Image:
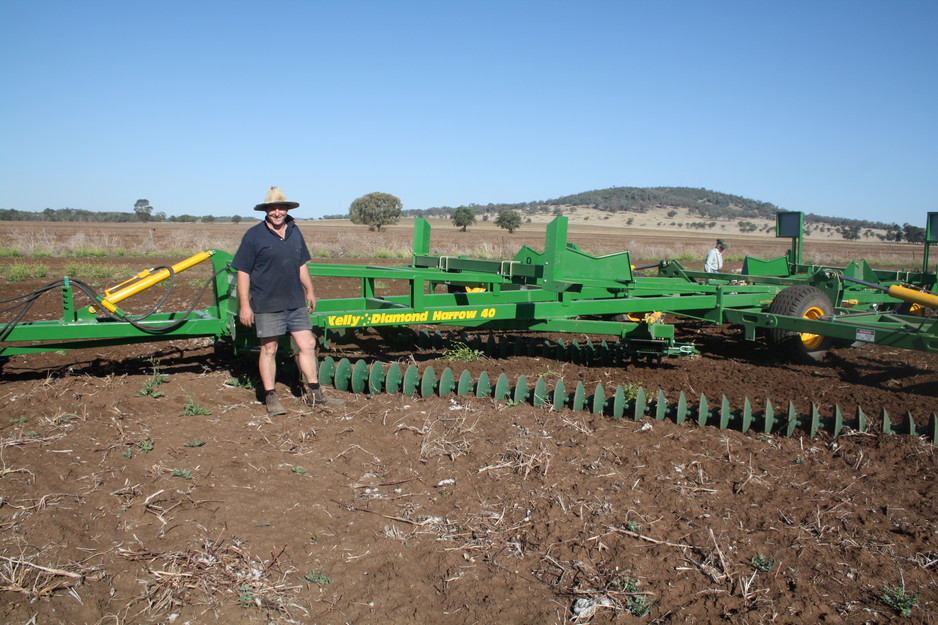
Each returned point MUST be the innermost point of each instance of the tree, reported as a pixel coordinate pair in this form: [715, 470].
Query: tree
[914, 234]
[236, 219]
[508, 219]
[375, 210]
[463, 217]
[143, 210]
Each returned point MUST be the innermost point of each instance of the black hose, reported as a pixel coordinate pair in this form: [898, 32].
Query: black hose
[87, 289]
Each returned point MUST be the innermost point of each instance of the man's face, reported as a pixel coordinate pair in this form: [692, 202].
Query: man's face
[276, 216]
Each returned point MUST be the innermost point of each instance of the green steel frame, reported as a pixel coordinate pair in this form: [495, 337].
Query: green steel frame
[561, 289]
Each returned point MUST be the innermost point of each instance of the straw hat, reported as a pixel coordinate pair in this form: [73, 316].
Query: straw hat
[275, 197]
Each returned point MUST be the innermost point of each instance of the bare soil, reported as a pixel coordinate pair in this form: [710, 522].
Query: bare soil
[118, 506]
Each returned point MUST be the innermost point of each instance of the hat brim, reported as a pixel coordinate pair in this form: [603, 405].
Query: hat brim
[269, 205]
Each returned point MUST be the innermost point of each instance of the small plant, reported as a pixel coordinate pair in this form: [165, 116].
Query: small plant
[316, 577]
[246, 598]
[625, 584]
[299, 470]
[127, 453]
[460, 352]
[193, 409]
[630, 392]
[243, 381]
[638, 606]
[151, 383]
[634, 526]
[19, 420]
[899, 600]
[762, 563]
[196, 443]
[146, 445]
[799, 460]
[185, 474]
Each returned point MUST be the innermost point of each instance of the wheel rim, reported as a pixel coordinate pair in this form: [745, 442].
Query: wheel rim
[812, 341]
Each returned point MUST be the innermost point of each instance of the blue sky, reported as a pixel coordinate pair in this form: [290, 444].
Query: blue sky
[199, 106]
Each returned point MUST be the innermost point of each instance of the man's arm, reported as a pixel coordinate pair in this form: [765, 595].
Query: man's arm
[245, 312]
[307, 283]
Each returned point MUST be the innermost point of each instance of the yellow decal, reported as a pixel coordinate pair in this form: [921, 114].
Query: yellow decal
[349, 320]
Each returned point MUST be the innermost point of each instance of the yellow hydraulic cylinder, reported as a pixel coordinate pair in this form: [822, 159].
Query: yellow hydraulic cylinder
[145, 279]
[913, 296]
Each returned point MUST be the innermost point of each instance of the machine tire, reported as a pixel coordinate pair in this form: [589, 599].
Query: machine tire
[800, 301]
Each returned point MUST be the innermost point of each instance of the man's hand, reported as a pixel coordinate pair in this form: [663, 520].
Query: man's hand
[246, 316]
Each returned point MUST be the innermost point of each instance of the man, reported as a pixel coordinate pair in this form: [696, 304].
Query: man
[275, 295]
[714, 262]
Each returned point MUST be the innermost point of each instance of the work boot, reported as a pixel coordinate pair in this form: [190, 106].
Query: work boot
[319, 398]
[274, 407]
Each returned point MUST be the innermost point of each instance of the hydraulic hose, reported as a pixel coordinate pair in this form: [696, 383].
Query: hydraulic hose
[30, 298]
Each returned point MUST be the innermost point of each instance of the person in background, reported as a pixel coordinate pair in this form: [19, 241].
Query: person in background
[714, 262]
[275, 295]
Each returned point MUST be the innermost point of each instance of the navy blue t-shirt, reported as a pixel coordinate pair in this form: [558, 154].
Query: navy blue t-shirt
[273, 264]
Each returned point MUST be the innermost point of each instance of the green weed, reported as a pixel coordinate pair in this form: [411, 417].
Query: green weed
[316, 577]
[9, 252]
[299, 470]
[762, 563]
[634, 526]
[19, 420]
[185, 474]
[193, 409]
[243, 381]
[127, 453]
[96, 271]
[636, 605]
[23, 271]
[639, 605]
[196, 443]
[146, 445]
[630, 391]
[625, 584]
[460, 352]
[156, 378]
[898, 599]
[246, 598]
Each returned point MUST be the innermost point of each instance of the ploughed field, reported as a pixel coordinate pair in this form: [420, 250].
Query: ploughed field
[145, 483]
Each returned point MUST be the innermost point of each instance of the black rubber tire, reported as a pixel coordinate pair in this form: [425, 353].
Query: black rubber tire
[800, 301]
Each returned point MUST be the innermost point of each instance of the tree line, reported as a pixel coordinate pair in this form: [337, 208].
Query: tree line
[81, 215]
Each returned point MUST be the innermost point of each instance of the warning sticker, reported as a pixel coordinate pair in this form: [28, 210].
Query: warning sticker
[868, 336]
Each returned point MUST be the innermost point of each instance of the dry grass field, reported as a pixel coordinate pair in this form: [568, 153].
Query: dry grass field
[145, 484]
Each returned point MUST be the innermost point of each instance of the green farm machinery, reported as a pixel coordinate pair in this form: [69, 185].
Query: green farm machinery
[801, 310]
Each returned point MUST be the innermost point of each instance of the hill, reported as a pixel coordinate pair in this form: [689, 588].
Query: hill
[678, 208]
